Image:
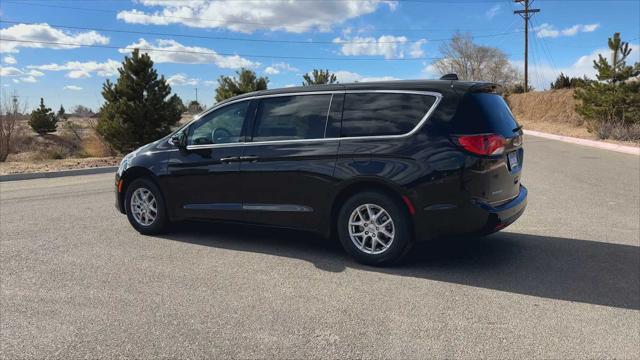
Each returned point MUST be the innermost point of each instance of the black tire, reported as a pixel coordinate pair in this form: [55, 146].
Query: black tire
[159, 224]
[403, 236]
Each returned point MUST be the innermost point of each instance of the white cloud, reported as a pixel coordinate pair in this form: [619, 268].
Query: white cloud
[388, 46]
[416, 51]
[28, 76]
[10, 71]
[171, 51]
[277, 68]
[430, 71]
[493, 11]
[548, 30]
[249, 15]
[72, 88]
[29, 79]
[79, 70]
[349, 77]
[36, 34]
[10, 60]
[181, 80]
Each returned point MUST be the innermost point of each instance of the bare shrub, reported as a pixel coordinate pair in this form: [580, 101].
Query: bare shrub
[94, 146]
[11, 110]
[616, 130]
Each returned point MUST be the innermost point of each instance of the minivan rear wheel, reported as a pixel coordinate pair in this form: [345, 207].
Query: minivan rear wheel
[145, 207]
[374, 228]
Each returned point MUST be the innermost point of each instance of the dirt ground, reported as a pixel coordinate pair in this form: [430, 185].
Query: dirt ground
[17, 167]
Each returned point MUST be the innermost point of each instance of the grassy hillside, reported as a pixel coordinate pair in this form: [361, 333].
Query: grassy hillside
[549, 111]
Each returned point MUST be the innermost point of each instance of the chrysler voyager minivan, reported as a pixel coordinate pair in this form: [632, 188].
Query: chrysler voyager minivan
[379, 165]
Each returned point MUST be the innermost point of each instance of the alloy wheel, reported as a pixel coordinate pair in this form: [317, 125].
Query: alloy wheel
[371, 229]
[144, 206]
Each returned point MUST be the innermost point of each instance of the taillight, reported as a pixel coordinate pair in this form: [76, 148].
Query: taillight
[486, 144]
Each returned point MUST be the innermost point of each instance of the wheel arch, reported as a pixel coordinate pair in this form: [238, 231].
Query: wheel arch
[368, 184]
[131, 174]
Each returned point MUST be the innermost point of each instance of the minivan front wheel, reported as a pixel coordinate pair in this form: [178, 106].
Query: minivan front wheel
[145, 207]
[374, 228]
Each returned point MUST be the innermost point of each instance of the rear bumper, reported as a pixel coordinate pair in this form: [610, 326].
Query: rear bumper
[474, 217]
[499, 217]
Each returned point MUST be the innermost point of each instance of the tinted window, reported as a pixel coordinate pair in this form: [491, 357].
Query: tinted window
[292, 117]
[370, 114]
[484, 113]
[221, 126]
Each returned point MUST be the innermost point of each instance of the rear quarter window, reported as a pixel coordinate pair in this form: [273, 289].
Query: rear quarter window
[375, 114]
[481, 113]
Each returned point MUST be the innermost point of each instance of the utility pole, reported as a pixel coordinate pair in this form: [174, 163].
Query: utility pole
[526, 14]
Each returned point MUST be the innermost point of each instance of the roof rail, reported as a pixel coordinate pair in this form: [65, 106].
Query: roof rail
[449, 77]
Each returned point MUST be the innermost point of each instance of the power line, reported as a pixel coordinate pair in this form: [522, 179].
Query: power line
[216, 53]
[247, 39]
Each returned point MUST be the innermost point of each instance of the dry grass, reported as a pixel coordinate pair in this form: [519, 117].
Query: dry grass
[552, 112]
[94, 146]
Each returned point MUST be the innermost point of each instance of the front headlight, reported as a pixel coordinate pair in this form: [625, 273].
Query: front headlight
[124, 163]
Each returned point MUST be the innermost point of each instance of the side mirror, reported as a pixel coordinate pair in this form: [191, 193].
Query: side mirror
[179, 139]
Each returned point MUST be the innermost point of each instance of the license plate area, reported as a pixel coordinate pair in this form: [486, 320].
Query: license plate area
[513, 160]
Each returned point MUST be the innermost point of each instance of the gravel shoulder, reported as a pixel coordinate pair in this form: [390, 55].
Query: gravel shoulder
[20, 167]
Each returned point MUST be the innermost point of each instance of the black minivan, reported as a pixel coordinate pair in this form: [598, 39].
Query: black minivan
[381, 165]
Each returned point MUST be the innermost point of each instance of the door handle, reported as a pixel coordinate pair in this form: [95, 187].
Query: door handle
[227, 160]
[250, 158]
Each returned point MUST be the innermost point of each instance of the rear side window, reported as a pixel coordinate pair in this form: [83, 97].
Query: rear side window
[484, 113]
[373, 114]
[292, 118]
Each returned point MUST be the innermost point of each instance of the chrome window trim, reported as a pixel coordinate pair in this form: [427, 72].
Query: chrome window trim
[422, 121]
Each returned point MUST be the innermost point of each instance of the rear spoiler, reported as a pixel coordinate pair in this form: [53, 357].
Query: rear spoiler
[486, 87]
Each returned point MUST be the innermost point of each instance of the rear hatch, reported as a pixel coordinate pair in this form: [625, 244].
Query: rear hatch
[487, 130]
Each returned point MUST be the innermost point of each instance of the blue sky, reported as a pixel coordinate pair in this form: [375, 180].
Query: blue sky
[359, 40]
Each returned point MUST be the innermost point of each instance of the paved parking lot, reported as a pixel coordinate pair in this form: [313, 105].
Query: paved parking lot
[563, 282]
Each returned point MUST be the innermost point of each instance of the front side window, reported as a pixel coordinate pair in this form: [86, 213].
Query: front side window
[221, 126]
[374, 114]
[292, 117]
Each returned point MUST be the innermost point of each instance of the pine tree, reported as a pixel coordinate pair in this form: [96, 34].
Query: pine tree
[139, 107]
[617, 70]
[319, 77]
[614, 101]
[43, 120]
[245, 82]
[62, 115]
[562, 82]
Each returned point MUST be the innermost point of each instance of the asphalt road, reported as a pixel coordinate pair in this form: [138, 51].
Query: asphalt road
[563, 282]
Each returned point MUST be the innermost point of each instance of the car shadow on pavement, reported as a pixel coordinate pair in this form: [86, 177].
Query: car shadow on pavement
[557, 268]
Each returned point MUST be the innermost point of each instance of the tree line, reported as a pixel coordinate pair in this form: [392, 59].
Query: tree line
[140, 107]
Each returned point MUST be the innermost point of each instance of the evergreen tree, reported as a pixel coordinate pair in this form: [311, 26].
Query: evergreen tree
[617, 70]
[62, 115]
[139, 107]
[245, 82]
[562, 82]
[43, 120]
[615, 99]
[319, 77]
[194, 107]
[565, 82]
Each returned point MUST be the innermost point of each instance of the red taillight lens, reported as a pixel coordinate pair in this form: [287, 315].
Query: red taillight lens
[487, 144]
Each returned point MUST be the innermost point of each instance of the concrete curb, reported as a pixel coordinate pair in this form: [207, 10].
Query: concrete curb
[591, 143]
[55, 174]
